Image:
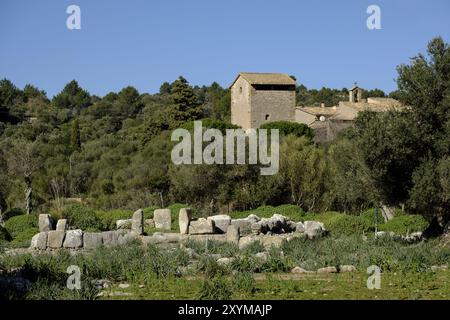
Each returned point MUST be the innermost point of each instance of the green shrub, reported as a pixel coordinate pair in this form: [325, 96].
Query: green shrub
[81, 217]
[21, 223]
[109, 218]
[12, 213]
[405, 223]
[286, 127]
[23, 239]
[4, 234]
[217, 288]
[341, 223]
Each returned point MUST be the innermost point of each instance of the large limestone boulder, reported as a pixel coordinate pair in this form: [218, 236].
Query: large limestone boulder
[299, 227]
[244, 225]
[39, 241]
[149, 223]
[74, 239]
[314, 229]
[92, 240]
[45, 223]
[55, 239]
[162, 219]
[269, 241]
[233, 234]
[201, 226]
[127, 238]
[110, 238]
[247, 240]
[221, 222]
[123, 224]
[184, 218]
[137, 222]
[61, 225]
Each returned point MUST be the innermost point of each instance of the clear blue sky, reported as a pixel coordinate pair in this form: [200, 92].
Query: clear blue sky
[144, 43]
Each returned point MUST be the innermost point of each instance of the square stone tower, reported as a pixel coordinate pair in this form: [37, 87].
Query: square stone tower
[257, 98]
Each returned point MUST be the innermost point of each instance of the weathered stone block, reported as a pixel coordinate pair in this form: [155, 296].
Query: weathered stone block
[233, 234]
[184, 218]
[244, 225]
[123, 224]
[61, 225]
[314, 229]
[45, 223]
[149, 223]
[74, 239]
[201, 226]
[221, 222]
[110, 238]
[137, 222]
[92, 240]
[162, 219]
[39, 241]
[55, 239]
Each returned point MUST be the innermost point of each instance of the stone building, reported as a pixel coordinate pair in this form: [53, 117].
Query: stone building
[257, 98]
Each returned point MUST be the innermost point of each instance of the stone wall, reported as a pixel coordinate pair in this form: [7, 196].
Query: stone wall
[221, 228]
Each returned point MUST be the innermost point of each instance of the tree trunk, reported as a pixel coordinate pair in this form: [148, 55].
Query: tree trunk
[28, 195]
[387, 212]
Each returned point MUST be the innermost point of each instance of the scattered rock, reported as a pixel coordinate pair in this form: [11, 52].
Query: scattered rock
[55, 239]
[101, 284]
[225, 261]
[123, 285]
[314, 229]
[162, 219]
[262, 256]
[221, 222]
[299, 227]
[123, 224]
[137, 222]
[247, 240]
[45, 223]
[347, 268]
[74, 239]
[61, 225]
[39, 241]
[201, 226]
[327, 270]
[299, 270]
[438, 268]
[92, 240]
[184, 218]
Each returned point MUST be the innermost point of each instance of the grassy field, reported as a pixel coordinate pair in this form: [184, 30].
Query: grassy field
[302, 287]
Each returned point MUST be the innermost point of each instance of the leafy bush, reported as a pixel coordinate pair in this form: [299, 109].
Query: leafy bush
[109, 218]
[341, 223]
[4, 234]
[81, 217]
[405, 223]
[12, 213]
[217, 288]
[23, 238]
[21, 223]
[286, 128]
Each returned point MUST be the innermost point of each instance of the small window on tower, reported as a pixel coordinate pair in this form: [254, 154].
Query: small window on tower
[267, 117]
[240, 89]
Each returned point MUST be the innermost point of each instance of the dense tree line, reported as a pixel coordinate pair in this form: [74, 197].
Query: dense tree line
[114, 151]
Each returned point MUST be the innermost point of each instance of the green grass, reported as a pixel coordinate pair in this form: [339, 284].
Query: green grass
[295, 287]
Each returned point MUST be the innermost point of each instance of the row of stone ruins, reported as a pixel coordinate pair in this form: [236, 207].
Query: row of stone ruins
[221, 228]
